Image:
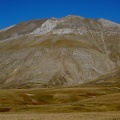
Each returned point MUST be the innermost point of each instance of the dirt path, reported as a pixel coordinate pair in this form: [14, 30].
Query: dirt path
[63, 116]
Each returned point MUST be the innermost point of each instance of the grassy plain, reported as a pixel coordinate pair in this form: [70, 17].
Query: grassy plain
[96, 100]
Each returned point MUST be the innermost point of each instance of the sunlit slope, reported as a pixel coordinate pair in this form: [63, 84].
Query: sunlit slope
[58, 52]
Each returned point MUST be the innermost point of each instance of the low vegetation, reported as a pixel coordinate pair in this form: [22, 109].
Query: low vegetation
[60, 100]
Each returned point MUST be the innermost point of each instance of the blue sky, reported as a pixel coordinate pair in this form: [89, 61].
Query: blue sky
[15, 11]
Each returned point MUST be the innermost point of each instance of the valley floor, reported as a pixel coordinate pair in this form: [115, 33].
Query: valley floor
[92, 101]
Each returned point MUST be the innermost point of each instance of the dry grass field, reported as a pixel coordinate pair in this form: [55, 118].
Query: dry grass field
[60, 103]
[63, 116]
[96, 100]
[60, 100]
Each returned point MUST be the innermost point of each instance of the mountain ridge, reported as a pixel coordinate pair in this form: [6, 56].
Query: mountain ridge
[58, 52]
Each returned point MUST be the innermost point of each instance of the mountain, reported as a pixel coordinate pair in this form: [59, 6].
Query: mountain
[58, 52]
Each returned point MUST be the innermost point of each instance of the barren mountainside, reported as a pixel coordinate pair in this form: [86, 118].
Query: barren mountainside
[58, 52]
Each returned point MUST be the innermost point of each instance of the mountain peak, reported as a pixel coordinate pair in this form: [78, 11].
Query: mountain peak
[66, 25]
[73, 16]
[58, 52]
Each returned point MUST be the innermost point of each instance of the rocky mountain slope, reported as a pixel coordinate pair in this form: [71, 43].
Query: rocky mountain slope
[58, 52]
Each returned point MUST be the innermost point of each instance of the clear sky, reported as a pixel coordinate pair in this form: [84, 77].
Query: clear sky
[15, 11]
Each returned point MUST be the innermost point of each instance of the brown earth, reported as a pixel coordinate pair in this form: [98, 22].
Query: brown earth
[63, 116]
